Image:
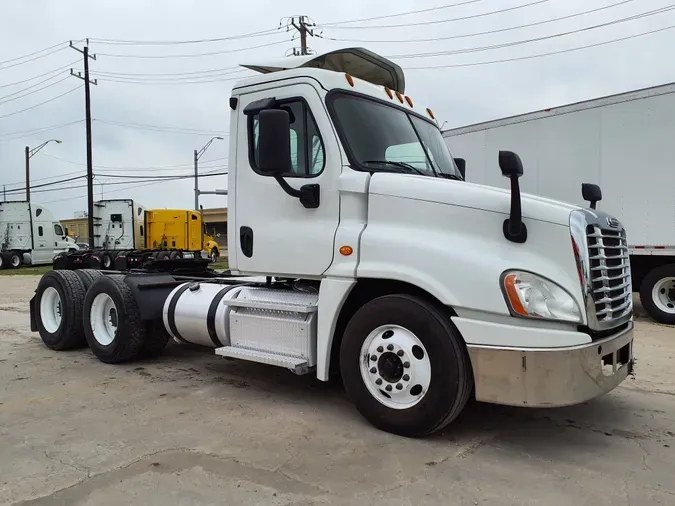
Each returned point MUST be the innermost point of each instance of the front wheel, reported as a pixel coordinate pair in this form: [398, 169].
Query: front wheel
[15, 260]
[405, 366]
[657, 294]
[214, 255]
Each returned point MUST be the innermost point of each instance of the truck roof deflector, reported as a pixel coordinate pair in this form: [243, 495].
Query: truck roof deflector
[356, 61]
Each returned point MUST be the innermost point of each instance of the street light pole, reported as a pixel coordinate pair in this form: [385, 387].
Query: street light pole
[197, 155]
[29, 154]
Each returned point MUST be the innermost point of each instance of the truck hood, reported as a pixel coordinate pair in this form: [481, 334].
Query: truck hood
[464, 194]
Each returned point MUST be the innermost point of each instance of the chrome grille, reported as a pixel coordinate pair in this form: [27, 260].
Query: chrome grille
[610, 278]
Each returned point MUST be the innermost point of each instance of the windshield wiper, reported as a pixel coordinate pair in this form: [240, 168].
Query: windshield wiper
[401, 165]
[449, 176]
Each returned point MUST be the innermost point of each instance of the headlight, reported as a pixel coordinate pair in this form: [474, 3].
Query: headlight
[532, 296]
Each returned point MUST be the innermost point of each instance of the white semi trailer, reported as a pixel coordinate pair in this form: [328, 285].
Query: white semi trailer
[421, 290]
[624, 143]
[29, 235]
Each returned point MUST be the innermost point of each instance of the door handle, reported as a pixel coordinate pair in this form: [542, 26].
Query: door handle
[246, 241]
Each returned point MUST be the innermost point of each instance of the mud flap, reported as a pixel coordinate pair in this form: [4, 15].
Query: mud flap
[33, 320]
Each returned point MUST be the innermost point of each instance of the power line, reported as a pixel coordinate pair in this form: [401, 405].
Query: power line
[30, 87]
[174, 81]
[157, 128]
[164, 74]
[39, 130]
[41, 103]
[183, 166]
[170, 80]
[197, 55]
[334, 23]
[422, 23]
[42, 179]
[536, 39]
[56, 50]
[52, 183]
[488, 32]
[179, 42]
[65, 67]
[31, 54]
[32, 92]
[541, 55]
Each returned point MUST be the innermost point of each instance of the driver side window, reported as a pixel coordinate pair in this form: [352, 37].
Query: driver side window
[307, 149]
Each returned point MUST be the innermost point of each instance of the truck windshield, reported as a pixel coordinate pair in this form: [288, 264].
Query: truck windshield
[380, 137]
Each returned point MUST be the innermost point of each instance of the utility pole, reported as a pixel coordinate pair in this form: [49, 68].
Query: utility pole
[29, 154]
[87, 111]
[301, 24]
[198, 154]
[27, 174]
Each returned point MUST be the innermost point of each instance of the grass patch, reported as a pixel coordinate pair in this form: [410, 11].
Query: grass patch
[26, 271]
[220, 265]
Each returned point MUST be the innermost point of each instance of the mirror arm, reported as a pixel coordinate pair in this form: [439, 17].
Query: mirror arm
[309, 194]
[514, 228]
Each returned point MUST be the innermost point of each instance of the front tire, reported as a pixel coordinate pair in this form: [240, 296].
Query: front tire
[59, 300]
[405, 366]
[112, 322]
[657, 294]
[214, 255]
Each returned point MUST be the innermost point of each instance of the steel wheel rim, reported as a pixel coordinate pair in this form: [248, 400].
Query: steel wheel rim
[663, 294]
[50, 310]
[103, 318]
[395, 367]
[16, 261]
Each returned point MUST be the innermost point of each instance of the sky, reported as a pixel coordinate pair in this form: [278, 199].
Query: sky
[154, 104]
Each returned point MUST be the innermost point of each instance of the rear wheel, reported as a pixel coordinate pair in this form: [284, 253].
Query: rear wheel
[214, 255]
[112, 323]
[3, 261]
[88, 276]
[657, 294]
[59, 301]
[175, 255]
[106, 261]
[405, 366]
[15, 260]
[162, 255]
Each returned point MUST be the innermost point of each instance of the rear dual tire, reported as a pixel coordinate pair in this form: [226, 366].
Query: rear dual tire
[113, 326]
[405, 366]
[58, 310]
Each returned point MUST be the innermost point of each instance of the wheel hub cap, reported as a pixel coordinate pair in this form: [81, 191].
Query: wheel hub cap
[50, 310]
[663, 295]
[103, 319]
[395, 367]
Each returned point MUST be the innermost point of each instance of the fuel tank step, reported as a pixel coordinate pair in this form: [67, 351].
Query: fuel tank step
[296, 365]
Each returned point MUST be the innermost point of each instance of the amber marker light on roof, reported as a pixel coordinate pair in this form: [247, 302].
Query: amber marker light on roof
[389, 93]
[430, 113]
[350, 80]
[409, 100]
[346, 250]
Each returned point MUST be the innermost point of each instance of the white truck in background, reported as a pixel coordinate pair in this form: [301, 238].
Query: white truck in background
[347, 256]
[624, 143]
[30, 235]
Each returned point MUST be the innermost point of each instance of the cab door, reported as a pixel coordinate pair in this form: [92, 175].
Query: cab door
[275, 233]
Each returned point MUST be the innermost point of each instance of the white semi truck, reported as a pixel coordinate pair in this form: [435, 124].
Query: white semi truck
[622, 142]
[420, 290]
[29, 235]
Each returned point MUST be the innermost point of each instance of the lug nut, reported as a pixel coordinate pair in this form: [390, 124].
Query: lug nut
[399, 387]
[380, 349]
[390, 347]
[378, 381]
[400, 353]
[388, 388]
[406, 377]
[406, 364]
[373, 358]
[373, 370]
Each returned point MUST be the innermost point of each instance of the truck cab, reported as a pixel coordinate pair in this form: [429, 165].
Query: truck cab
[357, 248]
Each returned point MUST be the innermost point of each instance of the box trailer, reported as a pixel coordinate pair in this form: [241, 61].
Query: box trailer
[625, 144]
[29, 235]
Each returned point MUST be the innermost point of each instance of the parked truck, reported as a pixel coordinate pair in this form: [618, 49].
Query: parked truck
[29, 235]
[127, 234]
[420, 290]
[622, 142]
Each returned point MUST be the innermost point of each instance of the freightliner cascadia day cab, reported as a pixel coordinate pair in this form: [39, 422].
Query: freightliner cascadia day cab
[621, 142]
[126, 230]
[29, 235]
[351, 255]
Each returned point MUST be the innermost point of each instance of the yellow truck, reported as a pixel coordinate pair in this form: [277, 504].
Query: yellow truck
[178, 229]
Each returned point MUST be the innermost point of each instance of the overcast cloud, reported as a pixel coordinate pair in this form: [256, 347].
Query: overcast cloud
[458, 95]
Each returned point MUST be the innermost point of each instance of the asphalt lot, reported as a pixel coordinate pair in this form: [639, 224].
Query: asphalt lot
[193, 428]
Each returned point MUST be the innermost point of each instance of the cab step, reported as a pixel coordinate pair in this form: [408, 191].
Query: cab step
[296, 365]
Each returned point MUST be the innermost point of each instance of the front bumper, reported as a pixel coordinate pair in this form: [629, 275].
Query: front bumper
[550, 377]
